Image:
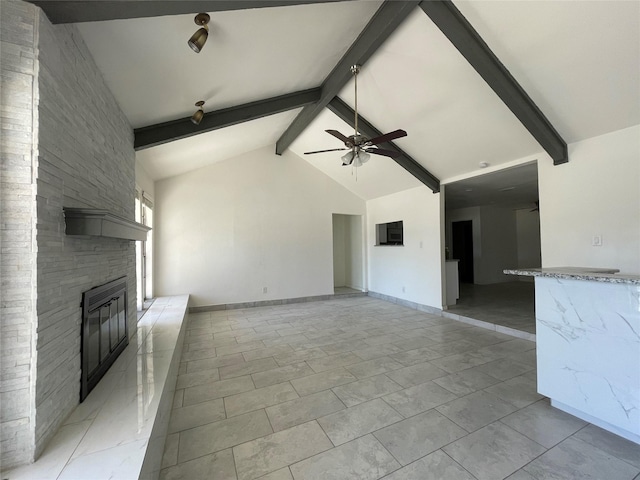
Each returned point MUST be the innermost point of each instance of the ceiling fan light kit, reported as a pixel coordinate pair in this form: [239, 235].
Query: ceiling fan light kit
[198, 39]
[196, 118]
[360, 147]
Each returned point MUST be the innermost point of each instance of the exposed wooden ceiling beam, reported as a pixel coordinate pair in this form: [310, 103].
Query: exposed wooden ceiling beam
[160, 133]
[63, 11]
[346, 113]
[388, 17]
[472, 47]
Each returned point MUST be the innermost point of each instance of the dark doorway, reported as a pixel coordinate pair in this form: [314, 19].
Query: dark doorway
[462, 240]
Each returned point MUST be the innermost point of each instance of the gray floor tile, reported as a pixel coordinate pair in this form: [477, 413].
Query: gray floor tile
[281, 374]
[369, 353]
[259, 398]
[611, 444]
[373, 367]
[196, 415]
[304, 409]
[197, 378]
[359, 420]
[362, 459]
[170, 455]
[418, 399]
[466, 381]
[476, 410]
[504, 369]
[266, 352]
[520, 475]
[214, 362]
[333, 361]
[211, 391]
[418, 436]
[366, 389]
[494, 451]
[282, 474]
[239, 348]
[383, 339]
[299, 356]
[519, 391]
[543, 423]
[461, 361]
[322, 381]
[453, 347]
[416, 374]
[247, 368]
[278, 450]
[217, 436]
[413, 357]
[344, 347]
[436, 466]
[575, 459]
[215, 465]
[290, 340]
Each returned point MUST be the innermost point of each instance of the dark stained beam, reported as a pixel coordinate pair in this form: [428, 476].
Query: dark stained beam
[472, 47]
[388, 17]
[160, 133]
[346, 113]
[63, 11]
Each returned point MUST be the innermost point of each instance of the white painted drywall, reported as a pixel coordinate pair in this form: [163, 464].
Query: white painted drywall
[355, 247]
[226, 231]
[348, 257]
[528, 234]
[417, 264]
[339, 251]
[596, 193]
[499, 244]
[144, 180]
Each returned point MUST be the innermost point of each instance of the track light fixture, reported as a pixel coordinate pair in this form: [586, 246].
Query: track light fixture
[197, 117]
[198, 39]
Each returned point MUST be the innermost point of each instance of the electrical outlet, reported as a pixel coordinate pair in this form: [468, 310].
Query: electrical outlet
[596, 241]
[265, 289]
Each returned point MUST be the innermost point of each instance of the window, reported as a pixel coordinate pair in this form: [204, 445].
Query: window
[144, 250]
[389, 233]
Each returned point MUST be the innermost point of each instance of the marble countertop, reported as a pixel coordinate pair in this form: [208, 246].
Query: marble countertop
[607, 275]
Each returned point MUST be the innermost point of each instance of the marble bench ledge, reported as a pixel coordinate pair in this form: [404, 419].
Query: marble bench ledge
[606, 275]
[119, 431]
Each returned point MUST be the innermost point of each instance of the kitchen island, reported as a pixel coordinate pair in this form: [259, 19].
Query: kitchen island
[588, 344]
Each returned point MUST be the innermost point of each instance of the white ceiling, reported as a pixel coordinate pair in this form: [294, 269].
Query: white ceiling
[578, 60]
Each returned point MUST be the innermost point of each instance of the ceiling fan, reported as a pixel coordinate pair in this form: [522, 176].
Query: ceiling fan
[359, 147]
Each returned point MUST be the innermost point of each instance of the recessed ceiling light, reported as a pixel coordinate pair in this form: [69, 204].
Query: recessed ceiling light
[506, 189]
[468, 189]
[483, 164]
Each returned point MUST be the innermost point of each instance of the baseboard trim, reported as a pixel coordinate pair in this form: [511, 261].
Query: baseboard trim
[270, 303]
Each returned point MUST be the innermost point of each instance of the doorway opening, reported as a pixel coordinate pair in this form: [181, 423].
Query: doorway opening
[492, 223]
[348, 254]
[462, 243]
[144, 253]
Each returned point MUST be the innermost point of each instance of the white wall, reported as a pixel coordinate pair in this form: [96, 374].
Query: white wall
[528, 234]
[144, 180]
[417, 264]
[596, 193]
[348, 258]
[339, 251]
[499, 244]
[258, 220]
[355, 248]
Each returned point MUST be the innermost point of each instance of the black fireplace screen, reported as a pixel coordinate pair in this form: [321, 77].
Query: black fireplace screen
[104, 331]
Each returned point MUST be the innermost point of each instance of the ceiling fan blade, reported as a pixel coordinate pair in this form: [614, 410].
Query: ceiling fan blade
[322, 151]
[387, 137]
[339, 136]
[382, 151]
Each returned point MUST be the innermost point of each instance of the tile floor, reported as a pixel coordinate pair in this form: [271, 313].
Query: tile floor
[359, 388]
[510, 304]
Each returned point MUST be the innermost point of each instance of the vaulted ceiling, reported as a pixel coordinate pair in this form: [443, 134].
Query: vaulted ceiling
[578, 61]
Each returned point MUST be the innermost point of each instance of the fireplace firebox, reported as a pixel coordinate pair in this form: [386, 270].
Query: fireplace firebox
[104, 331]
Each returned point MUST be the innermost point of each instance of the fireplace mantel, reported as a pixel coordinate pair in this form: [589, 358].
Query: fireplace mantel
[102, 223]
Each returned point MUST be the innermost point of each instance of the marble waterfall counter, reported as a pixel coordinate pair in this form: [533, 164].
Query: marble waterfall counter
[588, 344]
